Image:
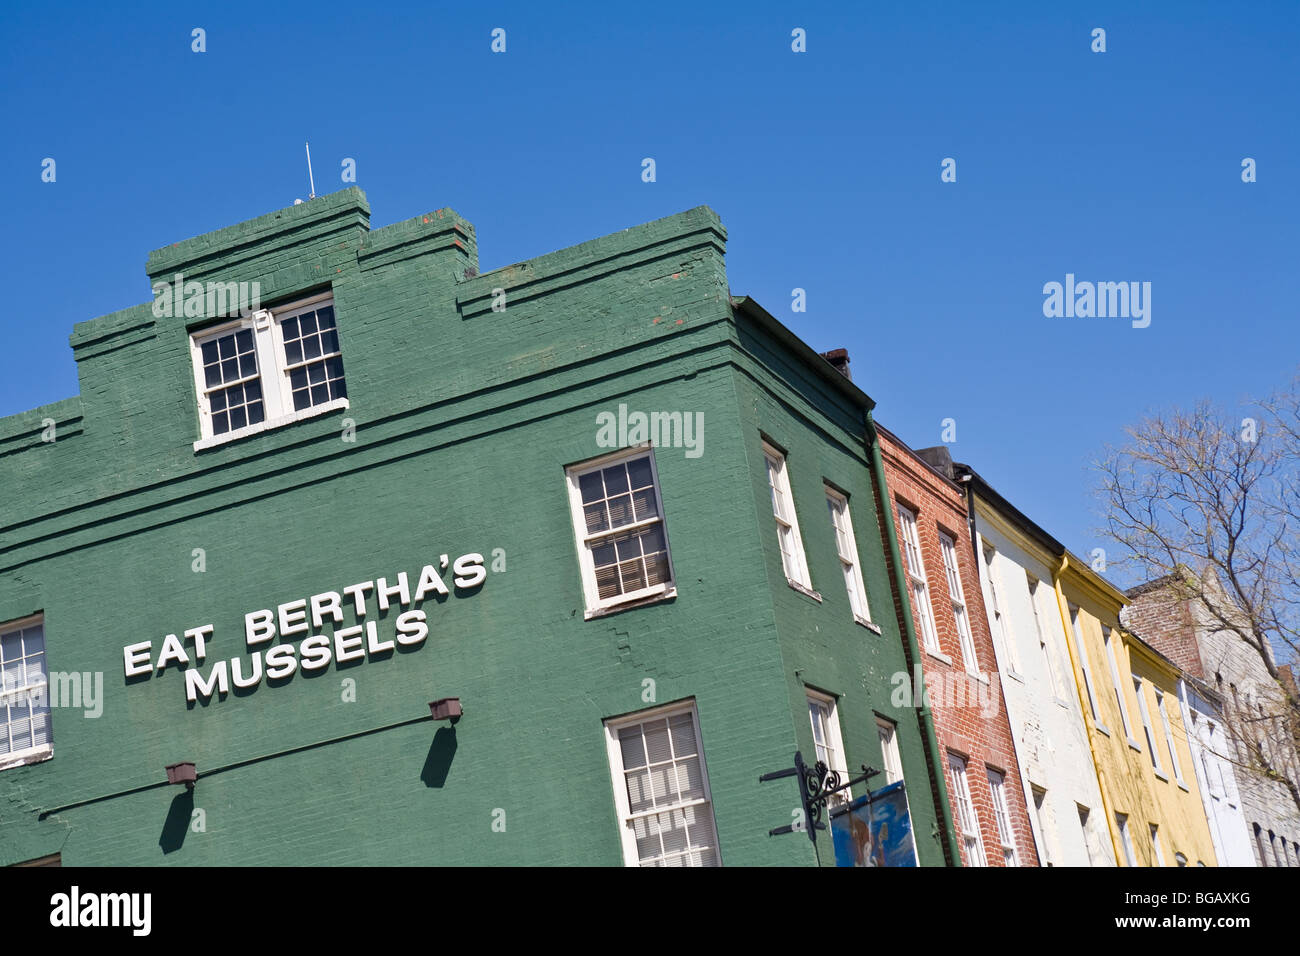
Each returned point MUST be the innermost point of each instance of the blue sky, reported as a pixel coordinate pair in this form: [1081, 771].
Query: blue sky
[824, 166]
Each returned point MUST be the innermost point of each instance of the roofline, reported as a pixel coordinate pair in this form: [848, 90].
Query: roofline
[980, 486]
[811, 357]
[893, 436]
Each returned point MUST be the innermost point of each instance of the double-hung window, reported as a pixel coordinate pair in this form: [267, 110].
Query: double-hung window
[1169, 736]
[1044, 642]
[793, 561]
[888, 734]
[826, 739]
[1042, 817]
[1082, 650]
[998, 786]
[1107, 639]
[998, 614]
[25, 734]
[847, 549]
[1125, 839]
[916, 578]
[622, 541]
[661, 788]
[267, 369]
[1146, 725]
[972, 844]
[948, 547]
[1155, 846]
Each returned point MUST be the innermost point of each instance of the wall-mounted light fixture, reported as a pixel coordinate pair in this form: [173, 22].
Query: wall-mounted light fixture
[179, 773]
[446, 709]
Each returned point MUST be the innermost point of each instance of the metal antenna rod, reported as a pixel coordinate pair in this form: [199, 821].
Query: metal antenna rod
[310, 177]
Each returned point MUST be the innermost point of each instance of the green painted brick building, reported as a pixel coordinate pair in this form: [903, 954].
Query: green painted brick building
[386, 430]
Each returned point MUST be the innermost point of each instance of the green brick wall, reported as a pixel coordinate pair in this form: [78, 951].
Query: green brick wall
[465, 419]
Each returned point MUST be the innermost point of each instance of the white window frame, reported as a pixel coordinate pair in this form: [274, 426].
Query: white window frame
[1148, 727]
[1086, 827]
[887, 734]
[1108, 642]
[1169, 736]
[850, 564]
[1125, 838]
[960, 609]
[272, 370]
[1085, 667]
[1054, 673]
[998, 788]
[1043, 817]
[623, 806]
[1154, 830]
[794, 565]
[597, 606]
[37, 753]
[914, 562]
[823, 706]
[967, 821]
[998, 614]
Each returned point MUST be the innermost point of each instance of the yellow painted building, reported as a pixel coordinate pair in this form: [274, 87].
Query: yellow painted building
[1128, 694]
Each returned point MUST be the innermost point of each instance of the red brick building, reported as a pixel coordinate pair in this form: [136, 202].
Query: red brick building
[958, 663]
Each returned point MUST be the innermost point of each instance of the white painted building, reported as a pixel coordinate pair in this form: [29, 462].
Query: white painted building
[1017, 565]
[1220, 793]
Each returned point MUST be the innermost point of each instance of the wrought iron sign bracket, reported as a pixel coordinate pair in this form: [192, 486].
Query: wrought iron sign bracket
[817, 784]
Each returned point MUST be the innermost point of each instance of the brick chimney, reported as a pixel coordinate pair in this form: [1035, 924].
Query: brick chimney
[840, 359]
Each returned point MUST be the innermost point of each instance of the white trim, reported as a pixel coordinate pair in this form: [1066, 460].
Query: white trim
[1107, 641]
[1148, 727]
[918, 583]
[887, 734]
[826, 705]
[333, 405]
[23, 758]
[595, 606]
[1154, 830]
[1002, 815]
[778, 483]
[1169, 736]
[957, 597]
[272, 370]
[997, 614]
[1085, 667]
[850, 566]
[1126, 839]
[622, 806]
[968, 822]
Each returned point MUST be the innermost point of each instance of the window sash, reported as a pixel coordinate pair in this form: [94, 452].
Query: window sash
[1169, 735]
[25, 729]
[824, 716]
[887, 734]
[272, 363]
[793, 562]
[997, 784]
[704, 829]
[1121, 823]
[948, 548]
[968, 822]
[1083, 662]
[847, 548]
[1107, 639]
[1146, 724]
[916, 575]
[1155, 844]
[999, 617]
[587, 542]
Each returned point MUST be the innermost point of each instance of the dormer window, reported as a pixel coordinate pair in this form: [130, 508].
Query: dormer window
[268, 369]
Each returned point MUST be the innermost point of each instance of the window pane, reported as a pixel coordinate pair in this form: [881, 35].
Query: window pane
[591, 487]
[615, 480]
